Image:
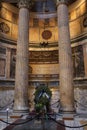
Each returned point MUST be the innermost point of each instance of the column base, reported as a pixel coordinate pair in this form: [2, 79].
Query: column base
[67, 115]
[67, 112]
[20, 111]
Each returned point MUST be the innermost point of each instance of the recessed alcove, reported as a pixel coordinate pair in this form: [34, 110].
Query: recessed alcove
[43, 58]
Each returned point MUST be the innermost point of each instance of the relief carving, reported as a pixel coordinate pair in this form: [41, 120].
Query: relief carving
[13, 63]
[46, 34]
[45, 56]
[78, 63]
[4, 28]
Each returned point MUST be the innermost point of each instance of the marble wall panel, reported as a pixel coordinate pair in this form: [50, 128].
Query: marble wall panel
[6, 97]
[2, 67]
[81, 100]
[45, 69]
[80, 96]
[34, 35]
[75, 28]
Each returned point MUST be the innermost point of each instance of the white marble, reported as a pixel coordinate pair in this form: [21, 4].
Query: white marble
[73, 124]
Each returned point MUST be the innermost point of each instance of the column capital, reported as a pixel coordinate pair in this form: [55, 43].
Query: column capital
[62, 2]
[24, 3]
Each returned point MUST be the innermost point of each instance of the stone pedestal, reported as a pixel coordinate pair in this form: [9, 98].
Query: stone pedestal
[65, 59]
[22, 63]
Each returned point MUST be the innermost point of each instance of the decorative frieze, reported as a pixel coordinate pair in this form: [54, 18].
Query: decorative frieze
[43, 56]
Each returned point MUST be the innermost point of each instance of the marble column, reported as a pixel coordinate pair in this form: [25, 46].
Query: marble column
[22, 63]
[85, 58]
[65, 59]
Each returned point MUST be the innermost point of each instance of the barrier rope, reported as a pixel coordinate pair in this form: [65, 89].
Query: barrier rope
[66, 125]
[46, 116]
[28, 120]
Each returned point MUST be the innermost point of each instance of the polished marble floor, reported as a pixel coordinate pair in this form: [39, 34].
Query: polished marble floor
[44, 124]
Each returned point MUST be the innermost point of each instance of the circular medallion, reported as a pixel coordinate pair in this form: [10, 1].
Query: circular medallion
[47, 34]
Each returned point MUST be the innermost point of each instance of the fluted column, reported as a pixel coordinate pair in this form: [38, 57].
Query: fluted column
[21, 79]
[65, 59]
